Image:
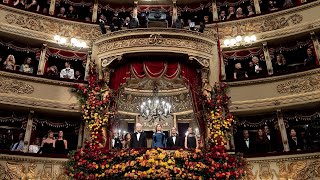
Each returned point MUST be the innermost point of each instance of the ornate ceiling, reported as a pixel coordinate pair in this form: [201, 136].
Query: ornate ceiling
[153, 2]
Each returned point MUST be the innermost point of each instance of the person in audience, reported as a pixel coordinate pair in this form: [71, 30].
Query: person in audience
[26, 67]
[259, 67]
[61, 145]
[35, 146]
[250, 10]
[246, 145]
[231, 13]
[19, 3]
[45, 10]
[173, 141]
[310, 60]
[67, 72]
[271, 6]
[222, 16]
[126, 22]
[239, 73]
[18, 146]
[158, 138]
[202, 27]
[134, 23]
[115, 141]
[295, 143]
[305, 138]
[78, 75]
[87, 19]
[62, 12]
[271, 138]
[191, 25]
[72, 13]
[102, 22]
[10, 63]
[52, 72]
[287, 3]
[262, 143]
[139, 138]
[127, 141]
[280, 64]
[239, 13]
[191, 140]
[48, 144]
[32, 5]
[251, 71]
[6, 1]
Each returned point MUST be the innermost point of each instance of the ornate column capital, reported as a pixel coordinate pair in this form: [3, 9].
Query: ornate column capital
[203, 61]
[108, 60]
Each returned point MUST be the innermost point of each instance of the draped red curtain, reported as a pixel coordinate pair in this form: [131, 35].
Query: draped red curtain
[67, 55]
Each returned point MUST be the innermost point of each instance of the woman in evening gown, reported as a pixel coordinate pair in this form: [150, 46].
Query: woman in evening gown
[191, 140]
[61, 145]
[48, 144]
[159, 138]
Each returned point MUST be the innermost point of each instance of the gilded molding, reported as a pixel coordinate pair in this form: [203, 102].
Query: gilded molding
[284, 158]
[108, 60]
[300, 85]
[15, 86]
[203, 61]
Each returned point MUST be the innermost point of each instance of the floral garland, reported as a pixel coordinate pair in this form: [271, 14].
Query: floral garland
[97, 162]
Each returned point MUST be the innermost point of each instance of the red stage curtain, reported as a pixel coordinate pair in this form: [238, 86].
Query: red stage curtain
[119, 76]
[173, 70]
[155, 69]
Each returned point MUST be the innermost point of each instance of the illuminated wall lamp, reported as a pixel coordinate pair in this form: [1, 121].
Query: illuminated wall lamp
[240, 41]
[74, 43]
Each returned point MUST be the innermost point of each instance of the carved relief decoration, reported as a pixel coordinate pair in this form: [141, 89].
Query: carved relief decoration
[265, 171]
[269, 24]
[15, 86]
[108, 60]
[66, 29]
[203, 61]
[300, 85]
[250, 174]
[292, 172]
[116, 44]
[155, 39]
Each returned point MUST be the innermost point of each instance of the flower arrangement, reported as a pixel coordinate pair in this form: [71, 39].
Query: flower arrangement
[97, 162]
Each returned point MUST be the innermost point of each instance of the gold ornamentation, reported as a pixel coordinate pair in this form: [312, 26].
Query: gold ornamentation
[275, 23]
[18, 171]
[249, 172]
[15, 86]
[292, 172]
[265, 171]
[108, 60]
[301, 85]
[66, 29]
[155, 39]
[203, 61]
[231, 30]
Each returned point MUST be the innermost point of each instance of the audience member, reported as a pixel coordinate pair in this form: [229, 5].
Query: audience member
[158, 138]
[102, 23]
[134, 23]
[19, 3]
[202, 27]
[262, 143]
[222, 16]
[191, 140]
[231, 13]
[126, 22]
[250, 10]
[177, 24]
[115, 141]
[246, 145]
[280, 64]
[271, 6]
[127, 141]
[251, 71]
[287, 4]
[18, 146]
[52, 72]
[67, 72]
[78, 75]
[306, 140]
[310, 60]
[295, 143]
[32, 5]
[173, 141]
[72, 13]
[48, 144]
[62, 12]
[61, 145]
[271, 138]
[139, 138]
[26, 67]
[191, 25]
[87, 19]
[239, 73]
[259, 67]
[45, 11]
[10, 63]
[239, 13]
[35, 146]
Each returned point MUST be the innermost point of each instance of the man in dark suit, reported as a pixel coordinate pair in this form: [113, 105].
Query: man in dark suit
[271, 138]
[246, 144]
[139, 138]
[295, 143]
[173, 141]
[116, 142]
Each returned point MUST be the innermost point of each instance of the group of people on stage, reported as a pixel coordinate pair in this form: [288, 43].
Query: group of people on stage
[159, 139]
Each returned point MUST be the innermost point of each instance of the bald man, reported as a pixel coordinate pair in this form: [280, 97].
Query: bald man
[139, 138]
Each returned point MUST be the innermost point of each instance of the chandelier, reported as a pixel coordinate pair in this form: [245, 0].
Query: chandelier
[74, 43]
[240, 41]
[155, 107]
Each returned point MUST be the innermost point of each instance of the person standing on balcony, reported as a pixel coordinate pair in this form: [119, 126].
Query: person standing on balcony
[262, 143]
[26, 67]
[139, 138]
[310, 60]
[158, 138]
[61, 145]
[191, 140]
[72, 14]
[246, 145]
[67, 73]
[115, 141]
[173, 141]
[19, 4]
[18, 146]
[35, 147]
[10, 63]
[295, 143]
[32, 5]
[62, 12]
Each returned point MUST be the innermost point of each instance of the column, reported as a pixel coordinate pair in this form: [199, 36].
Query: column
[267, 58]
[214, 66]
[283, 130]
[135, 9]
[95, 11]
[52, 7]
[175, 123]
[174, 11]
[86, 73]
[316, 44]
[86, 134]
[42, 60]
[27, 134]
[80, 135]
[223, 68]
[257, 6]
[215, 11]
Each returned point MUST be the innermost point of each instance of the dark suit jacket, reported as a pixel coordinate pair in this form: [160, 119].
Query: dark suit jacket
[293, 145]
[117, 143]
[170, 143]
[242, 147]
[142, 143]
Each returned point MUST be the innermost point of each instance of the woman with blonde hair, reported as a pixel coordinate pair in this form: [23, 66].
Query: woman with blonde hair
[191, 140]
[10, 63]
[158, 138]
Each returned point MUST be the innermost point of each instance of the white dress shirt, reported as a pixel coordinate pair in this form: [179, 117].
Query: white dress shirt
[34, 149]
[67, 73]
[138, 136]
[247, 142]
[174, 139]
[17, 146]
[268, 136]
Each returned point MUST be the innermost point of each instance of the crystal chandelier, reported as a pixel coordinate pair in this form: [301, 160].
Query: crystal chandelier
[154, 107]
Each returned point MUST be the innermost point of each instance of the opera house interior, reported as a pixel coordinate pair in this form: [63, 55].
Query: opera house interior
[160, 89]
